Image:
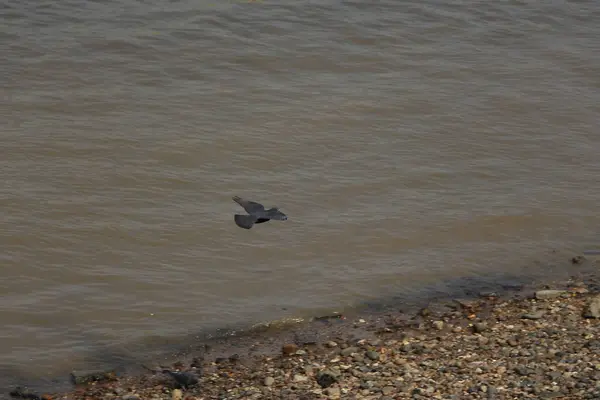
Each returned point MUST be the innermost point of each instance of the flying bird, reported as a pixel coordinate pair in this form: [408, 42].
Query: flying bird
[257, 213]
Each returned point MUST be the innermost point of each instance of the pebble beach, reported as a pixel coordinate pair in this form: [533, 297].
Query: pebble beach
[538, 342]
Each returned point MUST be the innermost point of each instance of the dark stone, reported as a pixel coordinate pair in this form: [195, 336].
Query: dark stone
[479, 327]
[373, 355]
[578, 259]
[327, 377]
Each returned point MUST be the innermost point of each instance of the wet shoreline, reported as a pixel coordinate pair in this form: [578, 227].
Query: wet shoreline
[246, 349]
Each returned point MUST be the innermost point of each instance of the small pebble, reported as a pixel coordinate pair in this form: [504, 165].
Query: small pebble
[300, 378]
[548, 294]
[177, 394]
[288, 349]
[387, 390]
[269, 381]
[439, 325]
[348, 351]
[534, 315]
[333, 392]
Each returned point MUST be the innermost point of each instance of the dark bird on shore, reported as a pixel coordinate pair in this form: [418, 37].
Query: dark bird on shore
[256, 214]
[183, 379]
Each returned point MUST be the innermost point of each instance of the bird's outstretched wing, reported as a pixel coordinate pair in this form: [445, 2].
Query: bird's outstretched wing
[249, 206]
[274, 213]
[244, 221]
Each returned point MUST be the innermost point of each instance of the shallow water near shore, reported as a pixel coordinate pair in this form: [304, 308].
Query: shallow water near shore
[411, 145]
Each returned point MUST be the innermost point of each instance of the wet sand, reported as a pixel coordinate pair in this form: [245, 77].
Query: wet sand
[538, 340]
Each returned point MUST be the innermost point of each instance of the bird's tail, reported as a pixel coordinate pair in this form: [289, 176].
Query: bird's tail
[244, 221]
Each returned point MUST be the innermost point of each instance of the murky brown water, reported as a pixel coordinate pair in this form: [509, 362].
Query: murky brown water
[408, 142]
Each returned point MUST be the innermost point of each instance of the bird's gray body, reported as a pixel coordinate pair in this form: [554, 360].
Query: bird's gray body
[257, 214]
